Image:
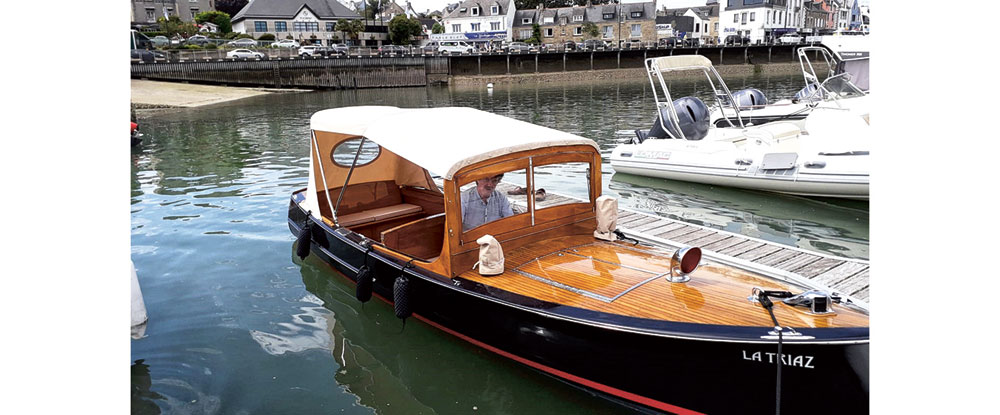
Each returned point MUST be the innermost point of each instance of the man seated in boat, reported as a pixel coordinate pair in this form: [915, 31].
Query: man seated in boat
[483, 203]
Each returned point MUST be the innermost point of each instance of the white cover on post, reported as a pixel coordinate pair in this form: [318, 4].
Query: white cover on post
[607, 218]
[490, 256]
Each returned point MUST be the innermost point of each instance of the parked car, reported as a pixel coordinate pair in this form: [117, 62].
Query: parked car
[160, 41]
[197, 40]
[244, 54]
[340, 49]
[790, 39]
[547, 47]
[692, 42]
[593, 44]
[517, 47]
[733, 40]
[314, 50]
[242, 43]
[285, 43]
[392, 50]
[669, 42]
[569, 45]
[454, 47]
[632, 44]
[430, 47]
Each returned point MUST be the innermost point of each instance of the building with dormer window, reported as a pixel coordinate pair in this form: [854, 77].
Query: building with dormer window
[145, 12]
[478, 21]
[615, 23]
[306, 21]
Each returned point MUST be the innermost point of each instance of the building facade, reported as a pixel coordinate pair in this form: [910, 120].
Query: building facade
[148, 11]
[704, 25]
[306, 21]
[761, 21]
[478, 21]
[817, 17]
[615, 23]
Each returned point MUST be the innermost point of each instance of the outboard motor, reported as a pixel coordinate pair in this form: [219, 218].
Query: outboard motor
[749, 98]
[809, 92]
[693, 118]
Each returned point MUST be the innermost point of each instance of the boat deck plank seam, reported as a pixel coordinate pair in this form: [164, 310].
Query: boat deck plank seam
[652, 225]
[778, 257]
[823, 265]
[840, 273]
[705, 240]
[740, 248]
[798, 262]
[672, 235]
[759, 252]
[686, 239]
[723, 244]
[666, 229]
[856, 285]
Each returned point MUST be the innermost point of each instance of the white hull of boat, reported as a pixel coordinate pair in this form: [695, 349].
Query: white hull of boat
[776, 157]
[845, 186]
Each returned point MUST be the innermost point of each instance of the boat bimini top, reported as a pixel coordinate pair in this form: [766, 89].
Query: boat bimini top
[405, 145]
[666, 106]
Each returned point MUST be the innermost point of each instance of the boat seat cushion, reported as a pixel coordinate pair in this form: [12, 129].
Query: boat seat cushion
[378, 214]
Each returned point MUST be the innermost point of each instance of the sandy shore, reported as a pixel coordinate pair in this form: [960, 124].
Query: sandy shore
[163, 95]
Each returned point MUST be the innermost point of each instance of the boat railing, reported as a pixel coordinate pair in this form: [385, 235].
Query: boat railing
[822, 91]
[655, 70]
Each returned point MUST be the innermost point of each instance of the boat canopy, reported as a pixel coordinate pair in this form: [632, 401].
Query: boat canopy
[442, 140]
[682, 62]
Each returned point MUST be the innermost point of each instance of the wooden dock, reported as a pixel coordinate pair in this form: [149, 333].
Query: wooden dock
[823, 271]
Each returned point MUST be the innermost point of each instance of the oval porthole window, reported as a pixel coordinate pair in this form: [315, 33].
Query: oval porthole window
[343, 154]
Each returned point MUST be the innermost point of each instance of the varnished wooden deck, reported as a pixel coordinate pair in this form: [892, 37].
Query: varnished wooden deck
[625, 279]
[843, 275]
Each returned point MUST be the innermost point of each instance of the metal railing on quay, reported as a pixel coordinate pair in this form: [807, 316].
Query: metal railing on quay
[269, 52]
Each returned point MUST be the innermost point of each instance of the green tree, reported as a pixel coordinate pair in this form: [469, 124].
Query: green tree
[536, 35]
[591, 31]
[437, 28]
[174, 26]
[402, 29]
[219, 18]
[351, 28]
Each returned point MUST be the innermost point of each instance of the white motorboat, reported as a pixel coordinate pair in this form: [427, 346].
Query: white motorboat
[844, 88]
[825, 154]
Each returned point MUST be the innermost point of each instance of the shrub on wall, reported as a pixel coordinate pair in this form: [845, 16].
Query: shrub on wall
[266, 36]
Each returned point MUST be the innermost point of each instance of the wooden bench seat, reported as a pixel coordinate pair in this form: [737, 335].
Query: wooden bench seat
[378, 214]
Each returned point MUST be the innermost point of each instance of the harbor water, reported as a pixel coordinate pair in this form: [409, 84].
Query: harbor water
[237, 324]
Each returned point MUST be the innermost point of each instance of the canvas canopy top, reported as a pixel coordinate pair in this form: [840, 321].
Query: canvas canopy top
[442, 140]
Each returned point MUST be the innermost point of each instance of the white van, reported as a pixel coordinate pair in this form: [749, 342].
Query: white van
[454, 47]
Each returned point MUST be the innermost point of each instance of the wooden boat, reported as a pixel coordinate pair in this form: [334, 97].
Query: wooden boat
[649, 327]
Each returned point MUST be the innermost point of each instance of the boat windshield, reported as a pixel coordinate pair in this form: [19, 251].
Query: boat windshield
[857, 71]
[527, 188]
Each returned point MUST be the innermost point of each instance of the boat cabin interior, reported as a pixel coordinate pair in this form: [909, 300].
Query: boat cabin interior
[399, 205]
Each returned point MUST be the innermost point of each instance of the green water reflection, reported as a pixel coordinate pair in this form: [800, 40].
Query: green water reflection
[237, 324]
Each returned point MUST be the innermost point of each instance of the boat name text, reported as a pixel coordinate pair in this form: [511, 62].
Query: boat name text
[786, 359]
[661, 155]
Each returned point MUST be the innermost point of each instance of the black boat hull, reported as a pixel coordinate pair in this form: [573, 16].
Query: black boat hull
[671, 367]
